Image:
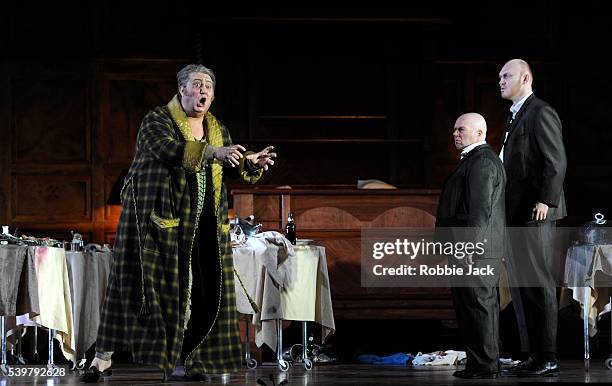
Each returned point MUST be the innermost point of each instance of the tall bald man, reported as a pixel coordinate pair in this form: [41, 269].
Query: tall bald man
[534, 159]
[472, 204]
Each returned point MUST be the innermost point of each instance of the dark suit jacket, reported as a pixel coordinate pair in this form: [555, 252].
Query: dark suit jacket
[535, 162]
[473, 198]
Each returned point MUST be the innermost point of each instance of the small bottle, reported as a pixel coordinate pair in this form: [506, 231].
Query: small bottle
[76, 245]
[290, 232]
[5, 231]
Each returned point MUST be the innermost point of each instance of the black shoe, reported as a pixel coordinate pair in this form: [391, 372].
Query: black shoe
[92, 374]
[514, 370]
[470, 374]
[543, 369]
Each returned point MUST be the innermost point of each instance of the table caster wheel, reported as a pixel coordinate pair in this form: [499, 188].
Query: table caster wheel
[283, 365]
[609, 363]
[80, 365]
[307, 364]
[251, 363]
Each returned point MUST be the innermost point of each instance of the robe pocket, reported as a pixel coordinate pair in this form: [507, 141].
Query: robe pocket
[162, 235]
[164, 223]
[225, 228]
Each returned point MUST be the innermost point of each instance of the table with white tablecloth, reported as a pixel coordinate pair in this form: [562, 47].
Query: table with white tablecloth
[52, 290]
[588, 276]
[285, 285]
[55, 289]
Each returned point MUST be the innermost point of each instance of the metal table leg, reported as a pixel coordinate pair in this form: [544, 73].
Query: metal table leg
[305, 360]
[3, 363]
[587, 308]
[609, 360]
[35, 356]
[19, 342]
[283, 365]
[250, 362]
[50, 363]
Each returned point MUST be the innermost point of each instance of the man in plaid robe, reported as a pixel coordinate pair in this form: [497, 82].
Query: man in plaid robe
[170, 299]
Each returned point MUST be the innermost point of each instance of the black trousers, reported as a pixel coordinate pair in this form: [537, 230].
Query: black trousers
[477, 308]
[530, 270]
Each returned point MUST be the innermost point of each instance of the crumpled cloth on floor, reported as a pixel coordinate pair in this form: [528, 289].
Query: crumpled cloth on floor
[439, 358]
[509, 361]
[396, 359]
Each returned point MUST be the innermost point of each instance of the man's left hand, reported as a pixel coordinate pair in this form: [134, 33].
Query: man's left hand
[539, 211]
[262, 159]
[469, 259]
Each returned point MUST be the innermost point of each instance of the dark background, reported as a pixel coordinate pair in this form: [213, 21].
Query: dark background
[364, 89]
[345, 92]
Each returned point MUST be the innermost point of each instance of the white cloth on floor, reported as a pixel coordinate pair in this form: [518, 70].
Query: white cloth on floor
[439, 358]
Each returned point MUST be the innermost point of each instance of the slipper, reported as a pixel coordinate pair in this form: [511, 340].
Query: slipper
[92, 374]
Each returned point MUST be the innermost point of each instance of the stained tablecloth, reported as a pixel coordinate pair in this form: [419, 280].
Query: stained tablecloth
[286, 282]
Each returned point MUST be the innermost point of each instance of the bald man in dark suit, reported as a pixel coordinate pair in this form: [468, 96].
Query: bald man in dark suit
[534, 159]
[471, 208]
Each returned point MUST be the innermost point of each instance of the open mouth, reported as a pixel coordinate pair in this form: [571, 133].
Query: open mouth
[203, 100]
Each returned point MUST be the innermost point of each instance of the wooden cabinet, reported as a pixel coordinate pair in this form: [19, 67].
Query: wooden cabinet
[334, 217]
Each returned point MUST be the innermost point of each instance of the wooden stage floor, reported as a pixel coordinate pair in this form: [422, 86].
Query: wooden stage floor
[350, 374]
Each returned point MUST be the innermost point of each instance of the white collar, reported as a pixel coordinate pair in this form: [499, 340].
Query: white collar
[471, 147]
[517, 106]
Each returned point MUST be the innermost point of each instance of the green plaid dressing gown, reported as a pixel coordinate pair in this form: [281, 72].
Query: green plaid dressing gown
[148, 297]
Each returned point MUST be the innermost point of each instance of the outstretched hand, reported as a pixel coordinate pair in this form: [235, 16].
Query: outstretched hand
[229, 154]
[539, 212]
[262, 159]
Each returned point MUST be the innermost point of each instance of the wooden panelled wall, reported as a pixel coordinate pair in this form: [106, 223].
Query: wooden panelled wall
[72, 131]
[342, 99]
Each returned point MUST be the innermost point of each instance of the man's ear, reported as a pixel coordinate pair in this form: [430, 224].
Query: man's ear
[526, 78]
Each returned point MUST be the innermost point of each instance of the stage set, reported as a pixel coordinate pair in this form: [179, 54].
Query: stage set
[360, 102]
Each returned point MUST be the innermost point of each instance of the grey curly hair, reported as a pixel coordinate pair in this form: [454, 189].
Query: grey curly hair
[182, 77]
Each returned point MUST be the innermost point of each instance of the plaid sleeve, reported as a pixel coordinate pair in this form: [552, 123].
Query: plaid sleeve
[158, 138]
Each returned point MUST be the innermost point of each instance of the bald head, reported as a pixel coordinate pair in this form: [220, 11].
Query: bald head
[522, 65]
[469, 128]
[515, 79]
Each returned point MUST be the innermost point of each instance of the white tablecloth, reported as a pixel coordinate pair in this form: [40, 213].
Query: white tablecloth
[56, 289]
[53, 296]
[286, 282]
[588, 275]
[88, 272]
